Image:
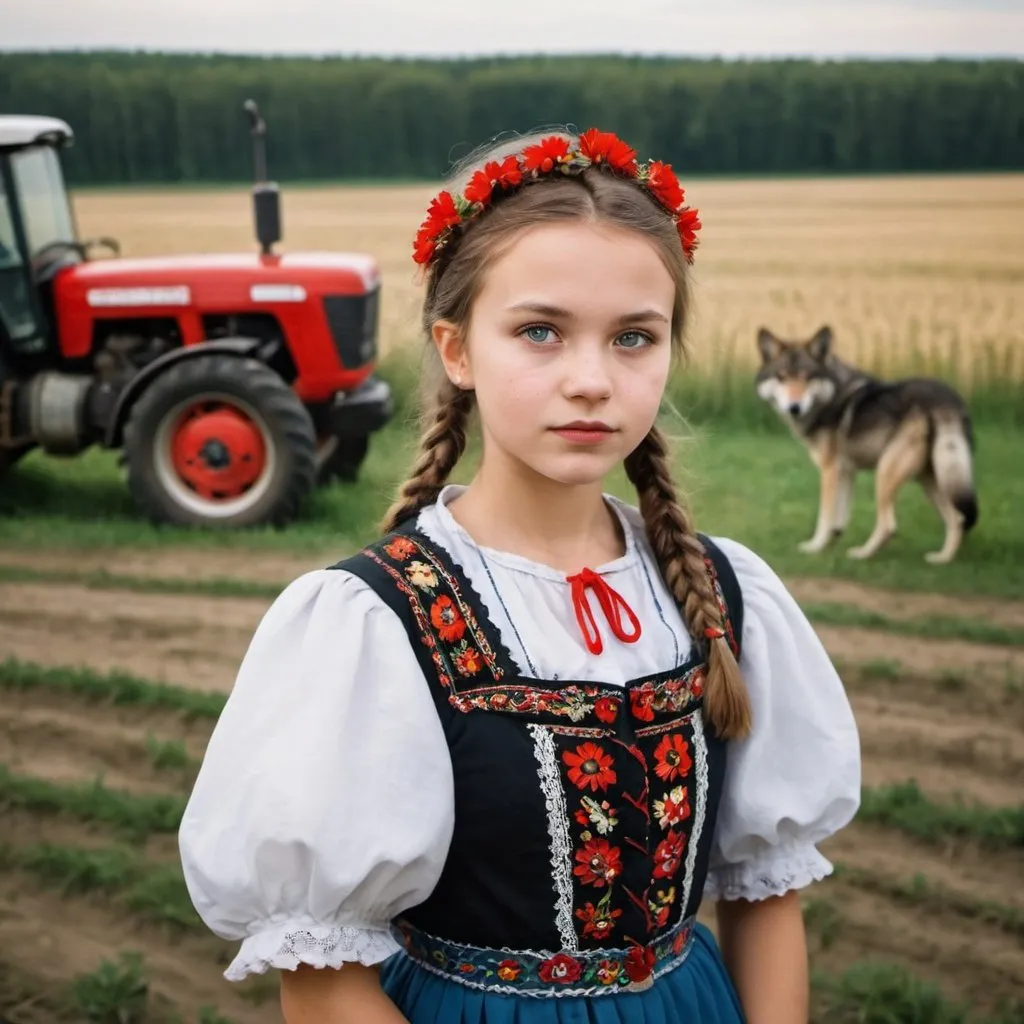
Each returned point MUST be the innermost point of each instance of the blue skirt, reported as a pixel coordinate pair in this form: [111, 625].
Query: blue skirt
[697, 991]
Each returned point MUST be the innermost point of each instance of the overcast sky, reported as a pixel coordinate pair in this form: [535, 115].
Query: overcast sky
[881, 28]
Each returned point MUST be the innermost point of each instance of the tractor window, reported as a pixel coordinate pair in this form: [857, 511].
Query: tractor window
[9, 255]
[44, 202]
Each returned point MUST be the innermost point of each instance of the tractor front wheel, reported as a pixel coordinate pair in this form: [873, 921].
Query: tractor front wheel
[221, 441]
[339, 458]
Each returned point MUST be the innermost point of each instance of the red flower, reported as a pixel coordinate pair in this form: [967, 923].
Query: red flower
[466, 968]
[688, 224]
[590, 766]
[582, 818]
[494, 175]
[669, 855]
[608, 972]
[607, 148]
[544, 155]
[423, 246]
[662, 181]
[599, 863]
[499, 700]
[606, 709]
[640, 963]
[400, 549]
[673, 808]
[642, 703]
[679, 941]
[597, 921]
[673, 757]
[447, 619]
[442, 213]
[509, 970]
[560, 968]
[469, 662]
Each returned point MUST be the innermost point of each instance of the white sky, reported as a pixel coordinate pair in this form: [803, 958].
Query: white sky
[729, 28]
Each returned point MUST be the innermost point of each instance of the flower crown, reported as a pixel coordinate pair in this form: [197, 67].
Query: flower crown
[553, 155]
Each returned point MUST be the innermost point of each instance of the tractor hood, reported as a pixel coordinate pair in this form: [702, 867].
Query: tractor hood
[219, 281]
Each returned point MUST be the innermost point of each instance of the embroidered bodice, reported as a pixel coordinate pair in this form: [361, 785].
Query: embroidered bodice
[347, 787]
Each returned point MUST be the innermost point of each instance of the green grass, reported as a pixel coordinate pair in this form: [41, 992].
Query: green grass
[904, 807]
[134, 815]
[116, 687]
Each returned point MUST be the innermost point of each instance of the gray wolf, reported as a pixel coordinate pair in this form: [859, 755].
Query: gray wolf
[850, 421]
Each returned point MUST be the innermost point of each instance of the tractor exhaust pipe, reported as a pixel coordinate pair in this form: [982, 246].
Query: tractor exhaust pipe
[266, 196]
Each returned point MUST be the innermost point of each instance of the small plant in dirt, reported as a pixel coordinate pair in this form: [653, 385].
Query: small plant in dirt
[210, 1015]
[115, 993]
[168, 755]
[823, 920]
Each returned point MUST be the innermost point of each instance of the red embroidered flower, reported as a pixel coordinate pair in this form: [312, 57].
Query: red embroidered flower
[596, 921]
[494, 175]
[467, 968]
[679, 941]
[499, 700]
[673, 757]
[606, 709]
[642, 702]
[469, 662]
[447, 619]
[582, 818]
[669, 855]
[673, 807]
[608, 972]
[697, 683]
[662, 181]
[590, 766]
[561, 969]
[607, 148]
[544, 155]
[509, 970]
[640, 963]
[688, 224]
[400, 549]
[599, 863]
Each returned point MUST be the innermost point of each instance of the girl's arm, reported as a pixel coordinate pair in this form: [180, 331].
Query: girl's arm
[764, 946]
[351, 995]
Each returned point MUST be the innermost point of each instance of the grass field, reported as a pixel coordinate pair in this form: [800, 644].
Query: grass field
[118, 641]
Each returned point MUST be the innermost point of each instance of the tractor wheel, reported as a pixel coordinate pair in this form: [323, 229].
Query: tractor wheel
[9, 456]
[220, 441]
[340, 458]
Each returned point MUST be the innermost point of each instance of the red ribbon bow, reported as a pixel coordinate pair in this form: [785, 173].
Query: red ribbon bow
[612, 603]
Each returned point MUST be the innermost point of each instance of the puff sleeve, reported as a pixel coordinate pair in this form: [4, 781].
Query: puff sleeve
[324, 805]
[795, 780]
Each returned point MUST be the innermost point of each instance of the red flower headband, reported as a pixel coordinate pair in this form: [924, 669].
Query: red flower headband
[550, 156]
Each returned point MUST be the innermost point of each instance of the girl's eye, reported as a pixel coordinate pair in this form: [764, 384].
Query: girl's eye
[634, 339]
[538, 334]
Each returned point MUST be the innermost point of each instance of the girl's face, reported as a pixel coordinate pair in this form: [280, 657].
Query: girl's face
[568, 349]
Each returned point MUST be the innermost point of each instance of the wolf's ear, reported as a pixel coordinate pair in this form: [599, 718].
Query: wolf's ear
[821, 344]
[768, 344]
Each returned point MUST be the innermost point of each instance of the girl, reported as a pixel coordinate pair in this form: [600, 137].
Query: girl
[487, 769]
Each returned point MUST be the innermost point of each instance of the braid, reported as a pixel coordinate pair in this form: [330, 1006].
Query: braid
[441, 447]
[681, 558]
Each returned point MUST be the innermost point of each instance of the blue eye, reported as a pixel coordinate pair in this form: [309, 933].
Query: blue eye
[537, 333]
[634, 339]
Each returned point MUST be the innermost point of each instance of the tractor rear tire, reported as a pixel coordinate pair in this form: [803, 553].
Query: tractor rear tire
[222, 441]
[343, 462]
[9, 456]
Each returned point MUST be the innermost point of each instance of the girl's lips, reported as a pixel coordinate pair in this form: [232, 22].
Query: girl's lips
[582, 432]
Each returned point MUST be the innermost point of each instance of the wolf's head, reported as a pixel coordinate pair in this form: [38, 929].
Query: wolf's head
[796, 377]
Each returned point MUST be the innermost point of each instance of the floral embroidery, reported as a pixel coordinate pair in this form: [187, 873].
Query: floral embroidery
[509, 970]
[608, 972]
[606, 709]
[673, 758]
[400, 549]
[673, 808]
[668, 856]
[572, 702]
[600, 815]
[590, 766]
[640, 963]
[661, 905]
[599, 863]
[421, 575]
[447, 619]
[561, 968]
[598, 921]
[468, 660]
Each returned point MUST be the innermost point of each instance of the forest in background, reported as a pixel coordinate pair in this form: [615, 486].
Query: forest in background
[151, 118]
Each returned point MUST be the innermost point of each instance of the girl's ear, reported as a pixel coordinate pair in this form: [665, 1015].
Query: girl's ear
[450, 347]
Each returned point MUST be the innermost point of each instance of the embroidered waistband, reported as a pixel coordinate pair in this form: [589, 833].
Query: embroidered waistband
[588, 972]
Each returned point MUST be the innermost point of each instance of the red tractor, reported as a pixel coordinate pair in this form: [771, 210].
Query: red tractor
[232, 384]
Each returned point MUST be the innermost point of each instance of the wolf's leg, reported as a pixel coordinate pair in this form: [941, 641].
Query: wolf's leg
[904, 457]
[950, 516]
[844, 498]
[828, 470]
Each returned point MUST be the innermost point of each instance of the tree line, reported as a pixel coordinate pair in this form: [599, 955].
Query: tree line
[178, 118]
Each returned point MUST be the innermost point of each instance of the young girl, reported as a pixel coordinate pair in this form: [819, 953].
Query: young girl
[485, 771]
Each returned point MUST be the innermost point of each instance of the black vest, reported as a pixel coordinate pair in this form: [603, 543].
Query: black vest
[584, 812]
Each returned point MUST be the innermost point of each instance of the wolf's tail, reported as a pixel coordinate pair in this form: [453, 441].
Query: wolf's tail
[953, 461]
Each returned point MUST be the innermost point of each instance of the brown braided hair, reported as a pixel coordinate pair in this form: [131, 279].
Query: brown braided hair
[453, 281]
[681, 558]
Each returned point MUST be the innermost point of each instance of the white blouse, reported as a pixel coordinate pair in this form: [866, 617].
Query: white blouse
[290, 841]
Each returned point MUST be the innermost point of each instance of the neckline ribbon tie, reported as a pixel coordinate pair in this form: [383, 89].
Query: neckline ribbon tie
[612, 603]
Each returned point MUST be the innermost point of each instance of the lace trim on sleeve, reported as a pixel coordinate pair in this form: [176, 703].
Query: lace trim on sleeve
[288, 946]
[773, 873]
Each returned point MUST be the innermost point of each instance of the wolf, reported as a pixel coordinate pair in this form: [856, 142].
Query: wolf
[851, 421]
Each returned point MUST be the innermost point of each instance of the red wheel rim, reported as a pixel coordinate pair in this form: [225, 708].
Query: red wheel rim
[217, 450]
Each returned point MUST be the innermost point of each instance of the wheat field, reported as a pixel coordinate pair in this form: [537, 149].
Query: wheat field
[904, 268]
